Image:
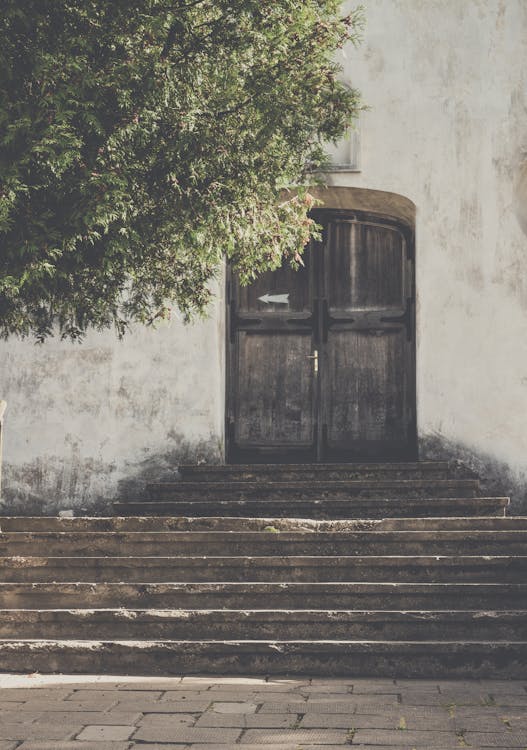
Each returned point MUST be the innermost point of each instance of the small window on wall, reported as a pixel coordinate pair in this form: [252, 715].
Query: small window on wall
[345, 155]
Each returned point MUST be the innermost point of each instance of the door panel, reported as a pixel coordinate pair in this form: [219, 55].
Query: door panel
[365, 392]
[364, 268]
[291, 289]
[352, 307]
[275, 390]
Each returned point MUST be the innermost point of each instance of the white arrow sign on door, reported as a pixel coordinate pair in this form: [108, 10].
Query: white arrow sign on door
[277, 299]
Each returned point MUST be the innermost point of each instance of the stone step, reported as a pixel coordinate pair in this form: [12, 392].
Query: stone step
[176, 624]
[265, 543]
[419, 569]
[243, 523]
[333, 471]
[380, 596]
[270, 657]
[369, 508]
[302, 490]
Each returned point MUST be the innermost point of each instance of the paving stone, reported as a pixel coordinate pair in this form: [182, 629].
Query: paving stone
[480, 698]
[100, 733]
[39, 731]
[351, 702]
[423, 686]
[513, 720]
[328, 697]
[188, 695]
[87, 695]
[277, 697]
[226, 720]
[95, 717]
[162, 720]
[262, 686]
[247, 720]
[225, 681]
[409, 737]
[320, 707]
[479, 723]
[69, 706]
[20, 717]
[457, 746]
[507, 686]
[39, 693]
[332, 687]
[509, 700]
[498, 739]
[374, 721]
[186, 734]
[153, 683]
[268, 745]
[298, 736]
[44, 745]
[97, 685]
[431, 699]
[234, 708]
[158, 707]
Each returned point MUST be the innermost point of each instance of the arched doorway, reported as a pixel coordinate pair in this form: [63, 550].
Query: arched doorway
[321, 362]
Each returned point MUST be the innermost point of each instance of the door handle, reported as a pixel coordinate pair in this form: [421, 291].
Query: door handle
[314, 357]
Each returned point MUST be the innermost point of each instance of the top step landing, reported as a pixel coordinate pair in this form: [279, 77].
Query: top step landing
[325, 472]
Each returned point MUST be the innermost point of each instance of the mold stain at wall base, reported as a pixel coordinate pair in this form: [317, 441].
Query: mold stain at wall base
[40, 488]
[163, 467]
[497, 477]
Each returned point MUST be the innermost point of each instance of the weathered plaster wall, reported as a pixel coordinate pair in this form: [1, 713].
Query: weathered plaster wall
[88, 421]
[446, 81]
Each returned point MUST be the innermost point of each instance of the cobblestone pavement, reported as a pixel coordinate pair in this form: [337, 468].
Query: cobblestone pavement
[61, 712]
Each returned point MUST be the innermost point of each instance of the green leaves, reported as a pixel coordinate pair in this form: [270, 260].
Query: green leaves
[142, 141]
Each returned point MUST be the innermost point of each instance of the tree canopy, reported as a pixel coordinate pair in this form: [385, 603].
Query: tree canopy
[142, 141]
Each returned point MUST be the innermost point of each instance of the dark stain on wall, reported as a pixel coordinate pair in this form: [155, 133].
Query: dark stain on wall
[163, 467]
[90, 486]
[497, 477]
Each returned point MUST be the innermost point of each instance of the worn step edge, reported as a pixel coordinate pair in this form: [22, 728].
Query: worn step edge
[213, 543]
[369, 466]
[181, 486]
[267, 536]
[349, 508]
[335, 658]
[269, 586]
[367, 502]
[267, 561]
[127, 624]
[298, 568]
[246, 523]
[289, 595]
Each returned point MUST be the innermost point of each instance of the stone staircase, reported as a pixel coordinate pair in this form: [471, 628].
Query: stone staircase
[371, 570]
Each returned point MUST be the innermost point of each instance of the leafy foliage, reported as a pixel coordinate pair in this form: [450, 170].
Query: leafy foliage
[141, 141]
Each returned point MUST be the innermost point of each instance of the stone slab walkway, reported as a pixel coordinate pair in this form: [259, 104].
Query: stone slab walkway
[61, 712]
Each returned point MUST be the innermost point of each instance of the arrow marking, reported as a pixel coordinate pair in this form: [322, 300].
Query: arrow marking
[277, 299]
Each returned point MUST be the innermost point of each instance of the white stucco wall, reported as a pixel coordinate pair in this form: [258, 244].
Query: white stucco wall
[446, 84]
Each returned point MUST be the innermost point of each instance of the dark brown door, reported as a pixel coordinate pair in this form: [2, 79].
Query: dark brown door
[321, 361]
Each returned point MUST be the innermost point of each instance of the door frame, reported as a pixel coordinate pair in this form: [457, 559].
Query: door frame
[411, 453]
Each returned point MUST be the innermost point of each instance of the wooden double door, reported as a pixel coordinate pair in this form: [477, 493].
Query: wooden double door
[321, 361]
